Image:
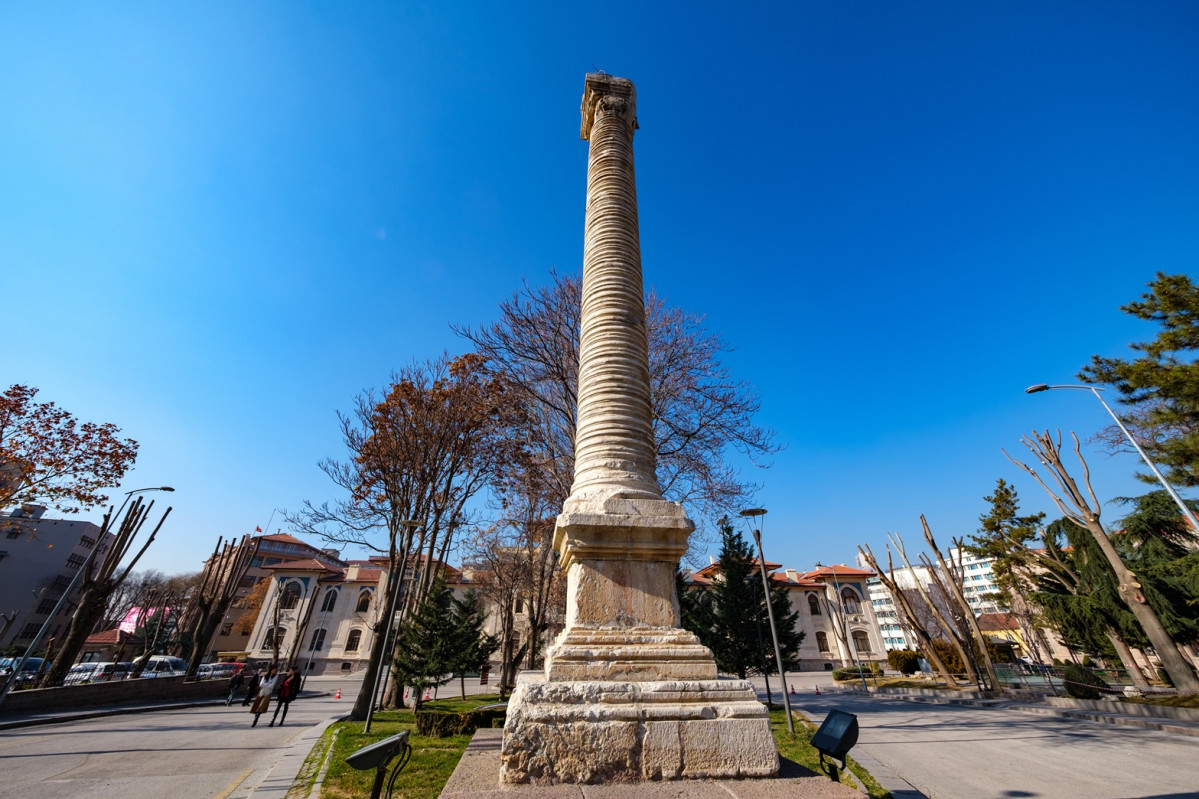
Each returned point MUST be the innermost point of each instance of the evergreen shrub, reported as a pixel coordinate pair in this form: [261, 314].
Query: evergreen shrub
[1082, 683]
[444, 723]
[904, 661]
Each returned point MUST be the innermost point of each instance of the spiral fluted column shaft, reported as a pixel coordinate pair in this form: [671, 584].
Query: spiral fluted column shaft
[614, 441]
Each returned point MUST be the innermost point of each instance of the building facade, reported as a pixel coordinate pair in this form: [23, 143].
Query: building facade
[39, 558]
[838, 621]
[321, 618]
[232, 640]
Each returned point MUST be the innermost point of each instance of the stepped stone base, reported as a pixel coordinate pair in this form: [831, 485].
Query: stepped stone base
[592, 732]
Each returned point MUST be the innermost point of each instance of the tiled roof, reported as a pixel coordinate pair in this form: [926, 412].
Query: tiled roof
[286, 539]
[114, 637]
[783, 579]
[840, 570]
[714, 568]
[997, 621]
[306, 565]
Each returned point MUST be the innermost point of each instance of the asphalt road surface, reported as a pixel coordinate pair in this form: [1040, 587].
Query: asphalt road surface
[202, 752]
[952, 752]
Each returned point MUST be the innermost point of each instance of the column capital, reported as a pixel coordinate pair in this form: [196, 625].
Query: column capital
[607, 94]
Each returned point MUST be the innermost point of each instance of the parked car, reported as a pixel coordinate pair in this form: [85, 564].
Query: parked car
[219, 671]
[103, 671]
[164, 666]
[29, 671]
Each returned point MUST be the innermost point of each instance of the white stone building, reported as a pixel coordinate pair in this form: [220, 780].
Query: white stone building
[839, 622]
[324, 615]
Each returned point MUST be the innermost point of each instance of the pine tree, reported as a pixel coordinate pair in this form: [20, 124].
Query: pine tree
[730, 616]
[1004, 535]
[470, 647]
[1160, 387]
[424, 653]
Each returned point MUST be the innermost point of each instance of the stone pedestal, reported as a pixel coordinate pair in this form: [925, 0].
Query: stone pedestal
[615, 731]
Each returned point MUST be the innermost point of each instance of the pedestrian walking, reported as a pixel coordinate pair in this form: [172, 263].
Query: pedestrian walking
[251, 688]
[265, 688]
[236, 684]
[288, 691]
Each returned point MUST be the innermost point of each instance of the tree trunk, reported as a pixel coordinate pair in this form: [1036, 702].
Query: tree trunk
[1130, 663]
[1130, 591]
[91, 608]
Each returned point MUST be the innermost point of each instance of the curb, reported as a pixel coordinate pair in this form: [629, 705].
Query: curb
[1145, 722]
[282, 775]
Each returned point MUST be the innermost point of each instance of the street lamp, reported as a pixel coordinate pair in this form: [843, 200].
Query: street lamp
[70, 588]
[391, 600]
[1186, 512]
[753, 513]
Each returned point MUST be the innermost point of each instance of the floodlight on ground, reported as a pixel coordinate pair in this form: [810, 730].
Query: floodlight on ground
[837, 735]
[378, 755]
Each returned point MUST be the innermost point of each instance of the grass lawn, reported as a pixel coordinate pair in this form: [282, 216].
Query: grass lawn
[799, 750]
[434, 759]
[1182, 700]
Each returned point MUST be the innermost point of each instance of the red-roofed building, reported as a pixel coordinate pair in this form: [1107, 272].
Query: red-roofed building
[838, 622]
[321, 617]
[230, 643]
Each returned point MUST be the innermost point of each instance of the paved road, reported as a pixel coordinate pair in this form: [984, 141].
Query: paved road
[951, 752]
[202, 752]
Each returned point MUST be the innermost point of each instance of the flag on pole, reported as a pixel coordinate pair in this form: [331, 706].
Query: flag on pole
[258, 529]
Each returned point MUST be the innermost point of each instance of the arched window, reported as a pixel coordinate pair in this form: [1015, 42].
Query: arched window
[274, 634]
[353, 640]
[364, 601]
[861, 642]
[849, 598]
[822, 641]
[813, 605]
[318, 640]
[330, 601]
[291, 596]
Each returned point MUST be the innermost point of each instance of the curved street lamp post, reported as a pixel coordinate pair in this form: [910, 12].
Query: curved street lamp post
[1186, 512]
[774, 633]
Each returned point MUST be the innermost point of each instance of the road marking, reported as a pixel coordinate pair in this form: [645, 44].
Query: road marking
[225, 793]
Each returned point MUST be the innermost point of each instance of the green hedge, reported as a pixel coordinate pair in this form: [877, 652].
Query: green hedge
[904, 661]
[444, 723]
[851, 673]
[1082, 683]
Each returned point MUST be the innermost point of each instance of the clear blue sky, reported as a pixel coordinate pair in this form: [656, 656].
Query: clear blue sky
[220, 223]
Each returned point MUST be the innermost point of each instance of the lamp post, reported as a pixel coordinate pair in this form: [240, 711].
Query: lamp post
[70, 588]
[391, 600]
[1186, 512]
[753, 513]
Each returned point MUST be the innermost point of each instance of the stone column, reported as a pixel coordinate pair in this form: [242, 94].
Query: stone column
[627, 694]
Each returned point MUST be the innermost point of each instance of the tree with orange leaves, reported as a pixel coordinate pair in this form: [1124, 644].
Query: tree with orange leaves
[47, 456]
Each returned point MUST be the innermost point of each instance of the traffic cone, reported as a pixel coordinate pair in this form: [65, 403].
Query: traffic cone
[793, 690]
[426, 699]
[338, 694]
[817, 690]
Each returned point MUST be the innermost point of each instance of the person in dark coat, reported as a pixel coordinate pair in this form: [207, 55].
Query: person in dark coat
[288, 691]
[235, 684]
[251, 688]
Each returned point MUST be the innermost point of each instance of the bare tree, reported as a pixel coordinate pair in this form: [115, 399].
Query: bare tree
[213, 596]
[1084, 510]
[952, 578]
[416, 457]
[700, 411]
[912, 620]
[99, 580]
